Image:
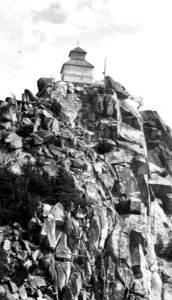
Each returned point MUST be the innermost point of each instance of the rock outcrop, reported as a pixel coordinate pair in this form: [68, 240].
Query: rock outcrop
[86, 195]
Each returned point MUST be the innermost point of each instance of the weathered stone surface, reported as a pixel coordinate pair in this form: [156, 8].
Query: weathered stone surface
[61, 86]
[130, 115]
[118, 243]
[63, 270]
[98, 230]
[8, 112]
[119, 89]
[156, 287]
[161, 230]
[14, 141]
[91, 194]
[59, 215]
[2, 291]
[50, 233]
[130, 134]
[69, 109]
[78, 163]
[160, 185]
[135, 205]
[44, 87]
[62, 250]
[93, 176]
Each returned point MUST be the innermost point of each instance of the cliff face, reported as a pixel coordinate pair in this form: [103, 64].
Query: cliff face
[91, 213]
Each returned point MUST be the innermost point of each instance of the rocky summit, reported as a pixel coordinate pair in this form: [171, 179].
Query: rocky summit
[86, 195]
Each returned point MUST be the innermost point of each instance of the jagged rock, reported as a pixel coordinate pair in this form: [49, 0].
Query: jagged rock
[79, 89]
[100, 200]
[68, 223]
[62, 250]
[9, 295]
[55, 126]
[58, 212]
[156, 169]
[50, 233]
[55, 151]
[45, 261]
[136, 253]
[91, 194]
[135, 205]
[7, 245]
[118, 291]
[118, 243]
[45, 135]
[14, 140]
[5, 125]
[13, 287]
[36, 281]
[8, 112]
[46, 210]
[61, 86]
[130, 134]
[76, 285]
[150, 255]
[156, 287]
[98, 84]
[51, 268]
[78, 163]
[161, 230]
[160, 185]
[37, 139]
[137, 222]
[69, 108]
[119, 89]
[63, 270]
[45, 87]
[70, 88]
[130, 115]
[2, 291]
[132, 146]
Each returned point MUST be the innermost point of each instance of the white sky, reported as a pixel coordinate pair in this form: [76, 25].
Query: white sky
[134, 36]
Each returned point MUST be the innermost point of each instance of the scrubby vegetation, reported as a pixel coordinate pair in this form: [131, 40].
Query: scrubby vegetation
[21, 194]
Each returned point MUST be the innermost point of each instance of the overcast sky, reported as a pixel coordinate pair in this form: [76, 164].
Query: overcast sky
[135, 36]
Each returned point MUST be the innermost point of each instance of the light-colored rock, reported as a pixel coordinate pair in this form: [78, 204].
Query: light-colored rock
[22, 293]
[58, 212]
[161, 228]
[135, 205]
[69, 109]
[160, 185]
[118, 291]
[7, 245]
[118, 243]
[63, 270]
[91, 194]
[50, 233]
[9, 113]
[78, 163]
[156, 287]
[46, 209]
[62, 250]
[2, 291]
[130, 134]
[14, 140]
[61, 86]
[130, 115]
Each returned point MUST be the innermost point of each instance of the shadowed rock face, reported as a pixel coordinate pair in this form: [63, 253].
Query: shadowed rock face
[96, 220]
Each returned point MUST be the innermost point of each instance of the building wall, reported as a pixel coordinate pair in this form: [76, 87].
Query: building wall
[77, 74]
[77, 55]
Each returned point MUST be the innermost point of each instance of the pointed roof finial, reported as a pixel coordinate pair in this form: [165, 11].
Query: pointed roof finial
[77, 43]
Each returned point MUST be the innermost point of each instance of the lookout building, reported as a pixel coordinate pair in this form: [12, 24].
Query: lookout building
[77, 69]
